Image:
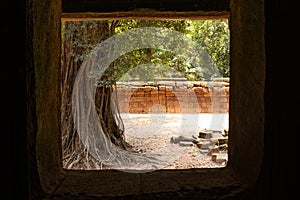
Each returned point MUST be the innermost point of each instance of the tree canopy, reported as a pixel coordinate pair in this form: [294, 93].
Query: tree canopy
[213, 35]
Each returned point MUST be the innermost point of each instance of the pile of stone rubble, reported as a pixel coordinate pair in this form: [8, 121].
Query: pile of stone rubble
[213, 143]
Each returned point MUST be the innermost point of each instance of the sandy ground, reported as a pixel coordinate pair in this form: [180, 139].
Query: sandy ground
[149, 133]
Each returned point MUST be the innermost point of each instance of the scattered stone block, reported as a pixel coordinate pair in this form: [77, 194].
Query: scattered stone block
[223, 147]
[225, 133]
[185, 143]
[204, 151]
[195, 141]
[219, 157]
[223, 141]
[203, 144]
[204, 134]
[217, 135]
[214, 140]
[177, 139]
[213, 149]
[210, 134]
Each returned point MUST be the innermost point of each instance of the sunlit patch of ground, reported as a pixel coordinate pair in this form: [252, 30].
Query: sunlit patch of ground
[148, 133]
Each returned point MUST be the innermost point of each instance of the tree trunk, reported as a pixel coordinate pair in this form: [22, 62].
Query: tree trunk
[107, 120]
[79, 38]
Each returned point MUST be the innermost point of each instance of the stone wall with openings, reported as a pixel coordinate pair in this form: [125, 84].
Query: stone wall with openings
[173, 96]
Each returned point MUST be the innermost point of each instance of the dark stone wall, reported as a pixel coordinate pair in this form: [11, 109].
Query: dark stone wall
[45, 79]
[32, 114]
[247, 86]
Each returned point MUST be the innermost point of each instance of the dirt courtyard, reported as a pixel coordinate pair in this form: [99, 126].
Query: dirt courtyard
[148, 133]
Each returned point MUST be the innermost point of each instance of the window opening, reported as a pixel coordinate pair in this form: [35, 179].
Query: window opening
[145, 94]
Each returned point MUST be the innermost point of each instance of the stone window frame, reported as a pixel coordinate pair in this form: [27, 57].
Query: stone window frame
[246, 124]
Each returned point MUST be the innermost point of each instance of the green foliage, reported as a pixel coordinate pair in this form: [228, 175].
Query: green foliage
[148, 64]
[176, 25]
[80, 37]
[215, 37]
[153, 63]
